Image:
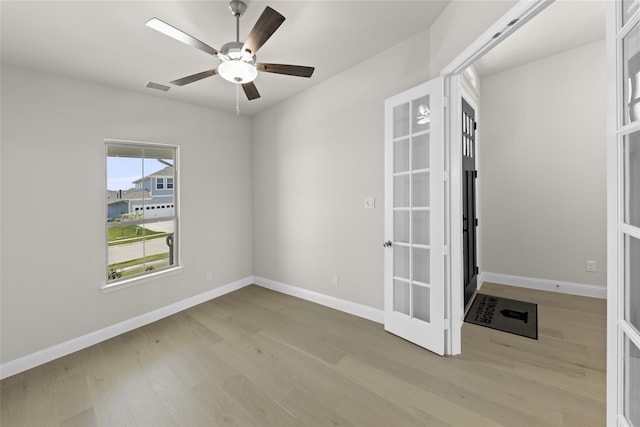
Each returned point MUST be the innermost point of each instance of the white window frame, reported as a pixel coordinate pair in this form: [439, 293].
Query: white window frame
[152, 275]
[159, 183]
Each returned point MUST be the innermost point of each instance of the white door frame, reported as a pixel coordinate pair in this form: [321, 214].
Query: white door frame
[613, 368]
[517, 16]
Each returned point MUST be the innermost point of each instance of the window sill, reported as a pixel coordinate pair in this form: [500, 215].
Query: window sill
[127, 283]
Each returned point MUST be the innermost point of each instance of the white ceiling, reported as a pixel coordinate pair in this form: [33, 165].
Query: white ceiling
[107, 42]
[564, 25]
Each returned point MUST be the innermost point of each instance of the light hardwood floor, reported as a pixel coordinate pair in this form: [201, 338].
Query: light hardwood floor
[259, 358]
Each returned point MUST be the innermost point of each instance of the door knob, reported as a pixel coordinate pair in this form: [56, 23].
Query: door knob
[387, 244]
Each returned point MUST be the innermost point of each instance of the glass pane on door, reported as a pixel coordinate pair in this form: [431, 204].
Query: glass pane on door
[401, 121]
[401, 298]
[401, 155]
[401, 191]
[632, 383]
[420, 152]
[632, 281]
[420, 190]
[420, 227]
[421, 114]
[421, 263]
[421, 301]
[631, 171]
[631, 75]
[401, 226]
[401, 262]
[629, 7]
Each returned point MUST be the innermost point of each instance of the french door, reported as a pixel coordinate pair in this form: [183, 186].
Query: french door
[414, 216]
[623, 369]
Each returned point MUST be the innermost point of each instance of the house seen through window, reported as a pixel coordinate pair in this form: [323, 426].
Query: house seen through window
[141, 217]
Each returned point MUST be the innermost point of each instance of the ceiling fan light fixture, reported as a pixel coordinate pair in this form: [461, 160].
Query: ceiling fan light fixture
[248, 57]
[237, 59]
[237, 71]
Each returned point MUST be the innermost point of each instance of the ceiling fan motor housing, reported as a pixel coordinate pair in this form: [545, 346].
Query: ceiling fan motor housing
[236, 65]
[232, 51]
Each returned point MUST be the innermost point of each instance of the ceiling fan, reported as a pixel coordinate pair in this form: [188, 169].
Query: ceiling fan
[237, 60]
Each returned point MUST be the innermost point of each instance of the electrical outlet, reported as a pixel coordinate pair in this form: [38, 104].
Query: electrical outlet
[209, 277]
[336, 280]
[591, 266]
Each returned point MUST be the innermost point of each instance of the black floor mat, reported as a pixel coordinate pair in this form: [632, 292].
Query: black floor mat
[503, 314]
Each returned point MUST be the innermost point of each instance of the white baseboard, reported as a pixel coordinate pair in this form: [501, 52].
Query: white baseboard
[545, 285]
[48, 354]
[59, 350]
[370, 313]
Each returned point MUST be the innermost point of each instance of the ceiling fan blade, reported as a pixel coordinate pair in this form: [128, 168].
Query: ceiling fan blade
[195, 77]
[181, 36]
[266, 25]
[251, 91]
[290, 70]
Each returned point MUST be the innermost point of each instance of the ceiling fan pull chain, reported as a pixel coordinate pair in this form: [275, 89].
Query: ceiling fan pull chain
[237, 99]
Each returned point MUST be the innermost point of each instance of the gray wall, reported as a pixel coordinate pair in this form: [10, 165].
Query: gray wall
[542, 168]
[318, 155]
[53, 265]
[316, 158]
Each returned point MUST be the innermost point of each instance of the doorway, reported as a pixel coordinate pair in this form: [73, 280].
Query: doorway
[469, 211]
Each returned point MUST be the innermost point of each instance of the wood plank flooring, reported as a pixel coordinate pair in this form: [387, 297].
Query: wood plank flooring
[259, 358]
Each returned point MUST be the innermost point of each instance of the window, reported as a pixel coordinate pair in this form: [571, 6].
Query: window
[141, 240]
[169, 183]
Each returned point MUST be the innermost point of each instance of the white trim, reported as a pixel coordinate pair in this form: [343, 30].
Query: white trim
[453, 136]
[470, 90]
[366, 312]
[48, 354]
[521, 13]
[136, 280]
[614, 278]
[545, 285]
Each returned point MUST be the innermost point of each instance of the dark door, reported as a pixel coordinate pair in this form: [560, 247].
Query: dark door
[469, 219]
